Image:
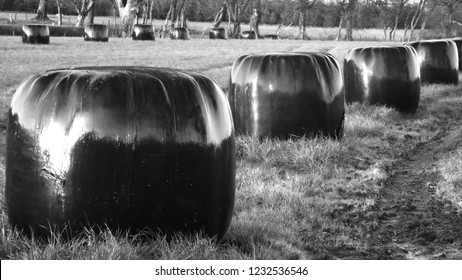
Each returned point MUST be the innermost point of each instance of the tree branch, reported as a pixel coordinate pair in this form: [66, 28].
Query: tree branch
[91, 4]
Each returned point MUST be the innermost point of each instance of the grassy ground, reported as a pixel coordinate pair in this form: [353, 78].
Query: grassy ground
[316, 33]
[451, 169]
[296, 199]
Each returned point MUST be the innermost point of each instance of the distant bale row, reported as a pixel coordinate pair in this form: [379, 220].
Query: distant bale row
[140, 32]
[55, 31]
[40, 34]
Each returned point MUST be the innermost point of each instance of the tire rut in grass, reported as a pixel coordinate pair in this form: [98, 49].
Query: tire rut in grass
[413, 223]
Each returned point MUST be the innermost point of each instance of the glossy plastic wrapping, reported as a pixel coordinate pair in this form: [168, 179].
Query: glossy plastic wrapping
[218, 33]
[271, 36]
[248, 35]
[35, 34]
[96, 32]
[180, 33]
[458, 42]
[143, 32]
[284, 94]
[439, 61]
[387, 76]
[126, 147]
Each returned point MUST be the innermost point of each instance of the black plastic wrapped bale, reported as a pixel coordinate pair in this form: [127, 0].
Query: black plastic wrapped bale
[248, 35]
[458, 42]
[35, 34]
[127, 147]
[439, 61]
[271, 36]
[180, 33]
[143, 32]
[285, 94]
[218, 33]
[96, 32]
[387, 76]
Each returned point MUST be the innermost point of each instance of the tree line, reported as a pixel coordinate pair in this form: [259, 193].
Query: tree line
[346, 15]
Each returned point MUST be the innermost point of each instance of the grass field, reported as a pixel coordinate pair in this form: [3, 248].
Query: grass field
[296, 199]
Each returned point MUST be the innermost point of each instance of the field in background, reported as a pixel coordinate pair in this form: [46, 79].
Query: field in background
[315, 33]
[296, 199]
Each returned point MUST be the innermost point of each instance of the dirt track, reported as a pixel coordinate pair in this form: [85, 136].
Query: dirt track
[413, 223]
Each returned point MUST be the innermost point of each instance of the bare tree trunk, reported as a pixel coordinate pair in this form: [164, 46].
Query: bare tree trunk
[116, 30]
[395, 13]
[281, 25]
[303, 6]
[424, 22]
[255, 18]
[170, 17]
[343, 13]
[339, 32]
[148, 8]
[60, 15]
[83, 11]
[422, 28]
[229, 20]
[151, 11]
[448, 24]
[91, 14]
[302, 25]
[393, 29]
[222, 15]
[349, 30]
[384, 16]
[233, 5]
[415, 19]
[127, 11]
[145, 13]
[254, 22]
[406, 26]
[42, 10]
[173, 12]
[237, 22]
[237, 8]
[181, 20]
[350, 11]
[385, 27]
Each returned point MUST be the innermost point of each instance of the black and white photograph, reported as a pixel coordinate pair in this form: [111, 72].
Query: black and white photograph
[250, 131]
